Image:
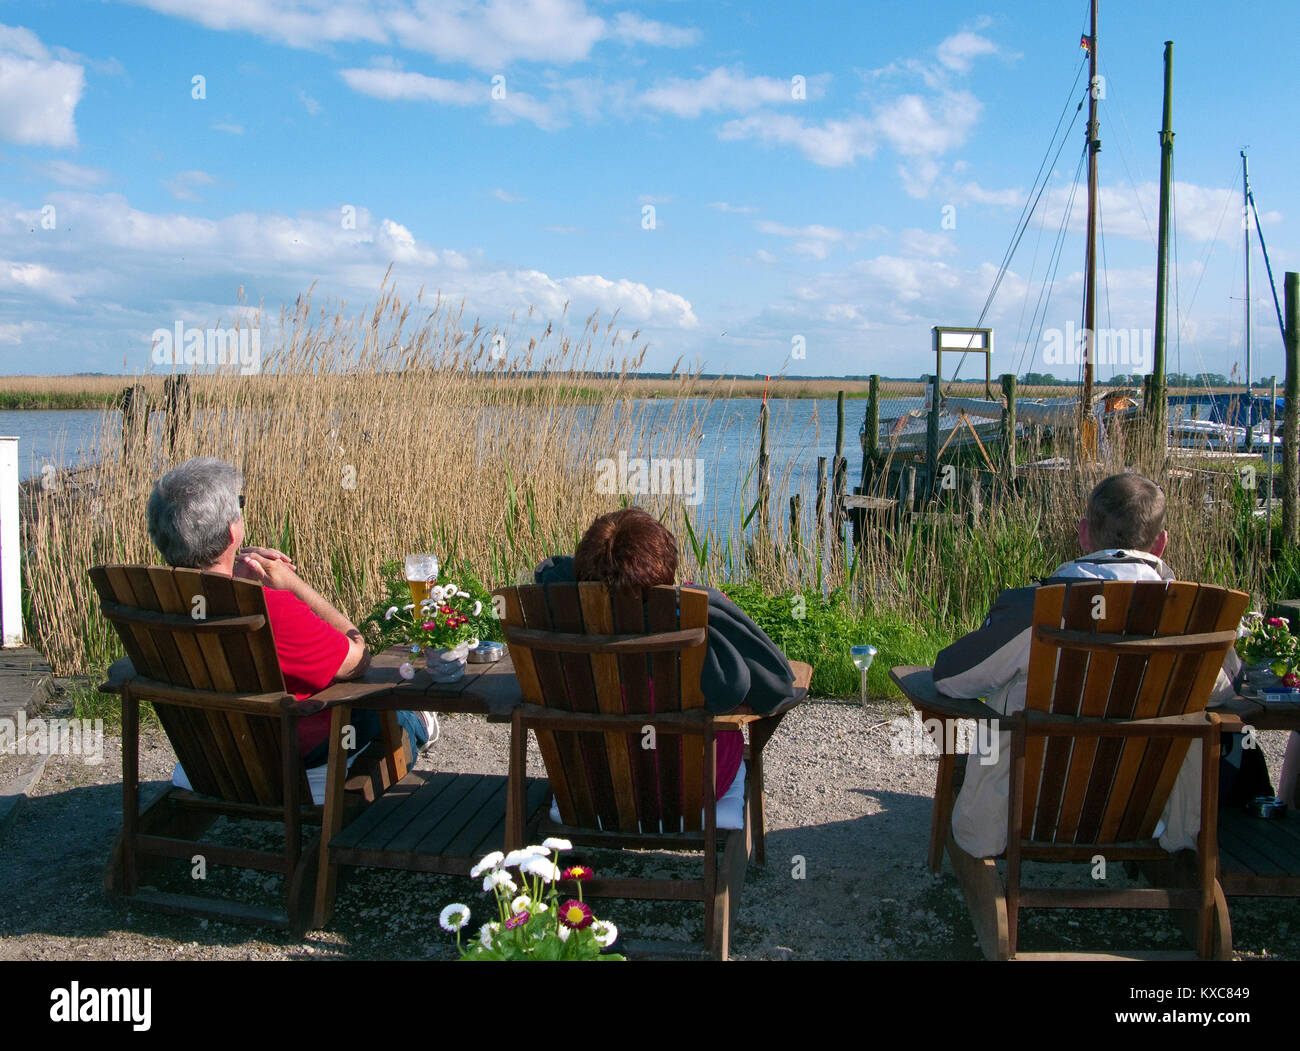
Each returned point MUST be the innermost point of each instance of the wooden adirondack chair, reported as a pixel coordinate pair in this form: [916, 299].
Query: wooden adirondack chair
[216, 686]
[1116, 693]
[589, 662]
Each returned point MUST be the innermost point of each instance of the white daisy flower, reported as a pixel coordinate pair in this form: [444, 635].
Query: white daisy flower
[478, 608]
[406, 670]
[517, 857]
[543, 868]
[408, 607]
[499, 878]
[564, 933]
[521, 904]
[555, 843]
[490, 861]
[437, 595]
[454, 917]
[486, 932]
[388, 613]
[604, 932]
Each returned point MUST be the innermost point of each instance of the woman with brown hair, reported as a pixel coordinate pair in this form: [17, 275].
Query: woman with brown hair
[630, 550]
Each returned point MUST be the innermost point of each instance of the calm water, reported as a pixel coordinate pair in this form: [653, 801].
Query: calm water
[799, 431]
[60, 437]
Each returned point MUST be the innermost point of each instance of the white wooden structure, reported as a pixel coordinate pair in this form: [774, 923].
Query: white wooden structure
[11, 608]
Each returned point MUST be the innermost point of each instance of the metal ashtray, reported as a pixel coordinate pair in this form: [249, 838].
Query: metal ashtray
[1266, 807]
[487, 652]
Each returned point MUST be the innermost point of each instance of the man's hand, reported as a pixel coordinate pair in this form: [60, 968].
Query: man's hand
[271, 572]
[268, 553]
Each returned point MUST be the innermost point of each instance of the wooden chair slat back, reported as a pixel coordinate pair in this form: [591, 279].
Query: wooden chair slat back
[1086, 789]
[228, 754]
[610, 780]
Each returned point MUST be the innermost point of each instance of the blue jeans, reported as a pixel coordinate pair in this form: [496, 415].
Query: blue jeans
[369, 728]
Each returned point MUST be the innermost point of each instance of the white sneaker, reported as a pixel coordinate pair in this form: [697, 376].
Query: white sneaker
[431, 729]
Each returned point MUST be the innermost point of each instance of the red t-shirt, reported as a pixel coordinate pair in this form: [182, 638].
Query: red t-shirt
[730, 751]
[311, 653]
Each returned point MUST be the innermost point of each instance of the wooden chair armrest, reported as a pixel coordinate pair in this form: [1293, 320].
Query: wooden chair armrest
[917, 684]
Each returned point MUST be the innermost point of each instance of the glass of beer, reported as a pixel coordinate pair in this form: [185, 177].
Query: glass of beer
[421, 572]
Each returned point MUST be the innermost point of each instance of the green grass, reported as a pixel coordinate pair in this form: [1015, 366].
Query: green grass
[16, 400]
[819, 631]
[88, 703]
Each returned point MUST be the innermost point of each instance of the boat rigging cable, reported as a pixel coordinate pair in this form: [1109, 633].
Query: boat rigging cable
[1045, 290]
[1031, 203]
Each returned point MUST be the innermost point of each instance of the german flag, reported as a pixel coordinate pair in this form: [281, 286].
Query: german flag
[1085, 42]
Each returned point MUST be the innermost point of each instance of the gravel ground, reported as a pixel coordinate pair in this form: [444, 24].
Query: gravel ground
[848, 822]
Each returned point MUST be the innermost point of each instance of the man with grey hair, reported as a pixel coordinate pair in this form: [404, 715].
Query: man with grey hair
[196, 519]
[1124, 534]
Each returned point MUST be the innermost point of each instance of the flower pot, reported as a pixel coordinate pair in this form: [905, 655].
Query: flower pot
[1262, 676]
[446, 665]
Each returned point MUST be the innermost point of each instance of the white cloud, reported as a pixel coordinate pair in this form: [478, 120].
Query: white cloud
[926, 245]
[184, 185]
[958, 51]
[953, 57]
[1204, 212]
[814, 241]
[78, 176]
[12, 333]
[393, 84]
[309, 103]
[298, 23]
[725, 90]
[833, 143]
[229, 129]
[506, 196]
[488, 36]
[38, 93]
[733, 209]
[973, 193]
[634, 29]
[916, 126]
[119, 269]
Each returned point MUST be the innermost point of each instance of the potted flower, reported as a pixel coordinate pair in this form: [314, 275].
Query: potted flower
[531, 923]
[1270, 651]
[442, 626]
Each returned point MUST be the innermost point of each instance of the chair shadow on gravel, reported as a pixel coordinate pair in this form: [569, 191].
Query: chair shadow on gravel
[852, 889]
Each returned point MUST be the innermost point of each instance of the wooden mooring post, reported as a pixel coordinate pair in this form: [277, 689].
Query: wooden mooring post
[796, 505]
[819, 507]
[932, 441]
[134, 404]
[871, 437]
[1009, 427]
[764, 468]
[178, 405]
[839, 476]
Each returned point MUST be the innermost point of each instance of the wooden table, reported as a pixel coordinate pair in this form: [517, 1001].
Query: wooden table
[1259, 857]
[486, 689]
[426, 821]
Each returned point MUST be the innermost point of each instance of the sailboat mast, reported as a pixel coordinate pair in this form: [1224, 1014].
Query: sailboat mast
[1090, 271]
[1245, 226]
[1156, 391]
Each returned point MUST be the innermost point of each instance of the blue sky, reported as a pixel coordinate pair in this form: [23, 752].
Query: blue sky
[128, 204]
